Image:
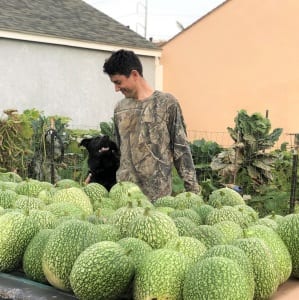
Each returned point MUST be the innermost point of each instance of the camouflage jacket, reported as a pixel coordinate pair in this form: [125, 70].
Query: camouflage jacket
[152, 138]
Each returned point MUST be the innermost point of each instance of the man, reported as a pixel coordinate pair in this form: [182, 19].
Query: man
[150, 130]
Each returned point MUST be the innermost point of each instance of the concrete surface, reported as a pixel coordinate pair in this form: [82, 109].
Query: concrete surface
[19, 288]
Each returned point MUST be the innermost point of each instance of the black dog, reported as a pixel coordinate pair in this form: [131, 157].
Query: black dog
[103, 160]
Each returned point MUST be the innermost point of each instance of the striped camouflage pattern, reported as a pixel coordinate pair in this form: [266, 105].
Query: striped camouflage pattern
[152, 137]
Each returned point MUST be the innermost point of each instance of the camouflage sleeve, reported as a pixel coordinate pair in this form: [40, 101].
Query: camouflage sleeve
[116, 135]
[182, 156]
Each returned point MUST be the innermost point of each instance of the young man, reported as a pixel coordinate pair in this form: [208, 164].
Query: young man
[150, 130]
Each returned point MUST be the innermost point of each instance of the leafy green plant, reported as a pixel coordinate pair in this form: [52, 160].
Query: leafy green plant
[202, 153]
[282, 170]
[270, 200]
[107, 128]
[177, 183]
[248, 163]
[15, 141]
[48, 131]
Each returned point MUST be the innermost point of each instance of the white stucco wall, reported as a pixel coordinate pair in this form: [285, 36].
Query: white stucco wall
[60, 80]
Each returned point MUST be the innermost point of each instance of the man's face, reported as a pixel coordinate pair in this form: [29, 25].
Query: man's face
[124, 84]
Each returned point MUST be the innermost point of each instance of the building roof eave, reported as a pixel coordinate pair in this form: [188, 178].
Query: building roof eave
[32, 37]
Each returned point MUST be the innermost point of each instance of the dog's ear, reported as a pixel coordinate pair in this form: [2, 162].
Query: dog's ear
[85, 143]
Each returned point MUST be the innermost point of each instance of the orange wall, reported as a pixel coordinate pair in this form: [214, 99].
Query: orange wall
[243, 55]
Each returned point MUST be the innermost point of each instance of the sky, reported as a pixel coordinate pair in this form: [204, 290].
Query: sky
[156, 19]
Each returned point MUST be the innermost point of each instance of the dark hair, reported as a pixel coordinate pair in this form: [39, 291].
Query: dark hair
[122, 62]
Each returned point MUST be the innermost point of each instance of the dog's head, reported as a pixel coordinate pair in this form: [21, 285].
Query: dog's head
[103, 159]
[99, 145]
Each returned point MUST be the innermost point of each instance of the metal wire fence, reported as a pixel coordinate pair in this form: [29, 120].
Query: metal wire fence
[224, 140]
